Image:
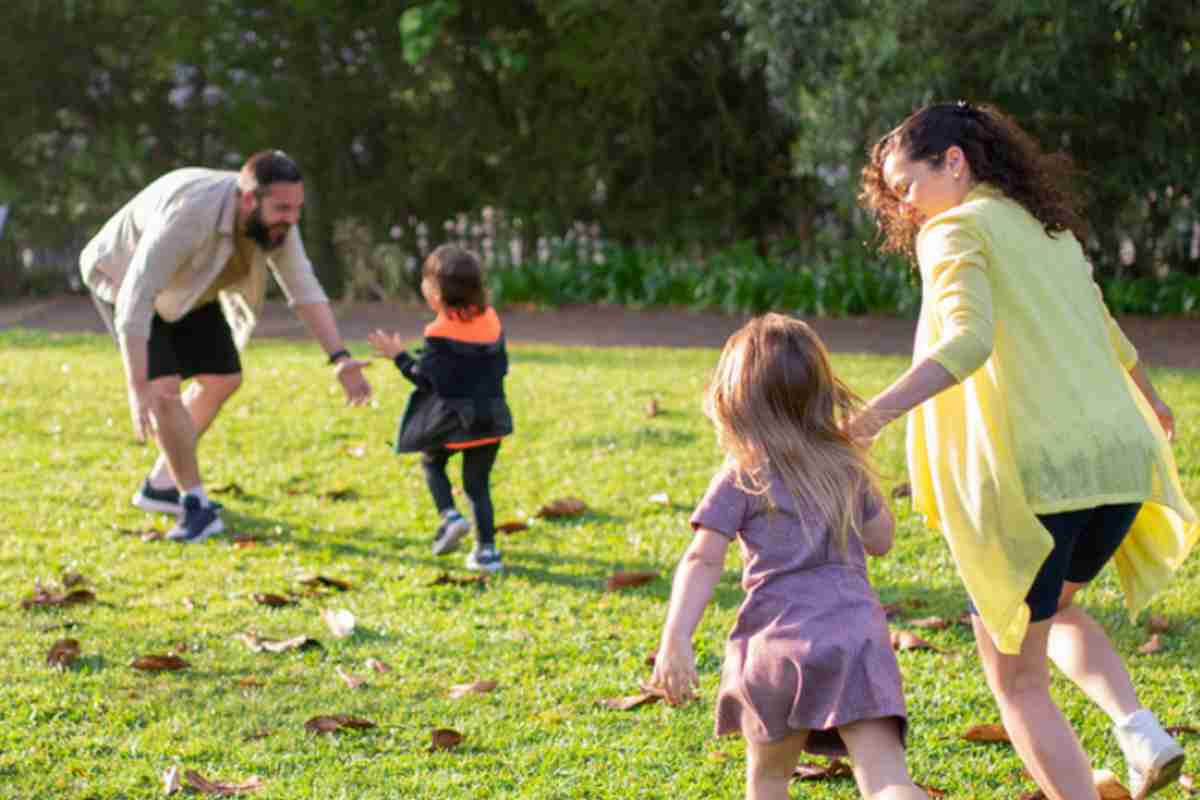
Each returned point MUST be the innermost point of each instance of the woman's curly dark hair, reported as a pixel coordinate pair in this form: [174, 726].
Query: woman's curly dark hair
[998, 151]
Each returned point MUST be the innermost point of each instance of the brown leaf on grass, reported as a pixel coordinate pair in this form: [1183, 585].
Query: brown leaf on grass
[249, 682]
[932, 791]
[902, 490]
[1157, 624]
[563, 507]
[336, 722]
[478, 687]
[631, 701]
[651, 408]
[1109, 787]
[986, 733]
[807, 771]
[512, 526]
[70, 579]
[718, 755]
[242, 541]
[155, 663]
[63, 653]
[339, 494]
[221, 788]
[447, 578]
[316, 581]
[1154, 645]
[257, 644]
[907, 640]
[46, 597]
[351, 681]
[444, 739]
[627, 580]
[377, 665]
[171, 780]
[1179, 730]
[273, 600]
[933, 623]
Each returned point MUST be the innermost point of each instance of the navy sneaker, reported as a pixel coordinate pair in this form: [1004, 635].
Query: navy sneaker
[197, 522]
[453, 528]
[162, 501]
[484, 559]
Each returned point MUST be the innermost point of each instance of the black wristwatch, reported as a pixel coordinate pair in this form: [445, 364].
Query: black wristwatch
[337, 355]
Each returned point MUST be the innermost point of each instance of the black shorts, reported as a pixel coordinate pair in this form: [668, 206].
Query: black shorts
[198, 343]
[1084, 541]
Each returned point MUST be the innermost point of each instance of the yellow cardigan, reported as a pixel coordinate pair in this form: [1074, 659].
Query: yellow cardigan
[1044, 418]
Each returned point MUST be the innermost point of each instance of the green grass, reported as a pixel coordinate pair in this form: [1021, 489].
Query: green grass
[547, 631]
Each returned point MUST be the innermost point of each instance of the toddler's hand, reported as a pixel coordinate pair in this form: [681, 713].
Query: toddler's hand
[386, 344]
[675, 674]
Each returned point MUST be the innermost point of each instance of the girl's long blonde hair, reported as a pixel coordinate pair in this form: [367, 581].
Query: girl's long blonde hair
[779, 409]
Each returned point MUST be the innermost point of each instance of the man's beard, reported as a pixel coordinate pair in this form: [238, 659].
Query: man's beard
[260, 232]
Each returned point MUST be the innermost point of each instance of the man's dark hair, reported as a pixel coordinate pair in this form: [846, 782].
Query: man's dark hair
[266, 167]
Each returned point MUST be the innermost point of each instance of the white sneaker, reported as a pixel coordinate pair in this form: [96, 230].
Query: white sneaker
[1153, 757]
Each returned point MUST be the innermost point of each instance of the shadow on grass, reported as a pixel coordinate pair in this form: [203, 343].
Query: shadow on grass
[642, 437]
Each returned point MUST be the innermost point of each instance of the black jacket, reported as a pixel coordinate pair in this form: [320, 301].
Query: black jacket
[459, 395]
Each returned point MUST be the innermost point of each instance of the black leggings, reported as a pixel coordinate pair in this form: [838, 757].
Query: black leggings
[476, 473]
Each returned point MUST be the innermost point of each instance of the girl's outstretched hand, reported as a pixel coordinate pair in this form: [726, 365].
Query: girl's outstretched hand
[675, 673]
[389, 345]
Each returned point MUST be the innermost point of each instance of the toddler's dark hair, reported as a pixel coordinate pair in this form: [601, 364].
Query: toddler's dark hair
[457, 276]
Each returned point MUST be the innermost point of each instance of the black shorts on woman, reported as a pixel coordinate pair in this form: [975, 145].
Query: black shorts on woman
[1084, 541]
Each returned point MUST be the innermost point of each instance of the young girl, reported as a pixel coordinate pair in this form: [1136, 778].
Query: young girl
[458, 404]
[809, 664]
[1036, 442]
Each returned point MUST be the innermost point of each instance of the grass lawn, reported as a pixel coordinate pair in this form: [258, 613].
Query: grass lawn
[317, 485]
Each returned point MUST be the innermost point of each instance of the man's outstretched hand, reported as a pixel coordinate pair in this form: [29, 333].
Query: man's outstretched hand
[349, 372]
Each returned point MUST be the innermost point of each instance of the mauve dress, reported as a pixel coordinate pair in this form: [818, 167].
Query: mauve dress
[810, 649]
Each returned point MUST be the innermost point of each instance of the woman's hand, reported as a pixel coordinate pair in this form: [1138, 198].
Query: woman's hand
[386, 344]
[1166, 417]
[675, 673]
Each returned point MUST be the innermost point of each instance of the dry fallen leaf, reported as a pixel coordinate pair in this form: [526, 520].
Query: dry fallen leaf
[932, 791]
[171, 780]
[478, 687]
[986, 733]
[156, 663]
[1109, 787]
[563, 507]
[221, 789]
[933, 623]
[626, 580]
[447, 578]
[257, 644]
[906, 640]
[340, 621]
[1153, 646]
[834, 769]
[651, 408]
[377, 665]
[351, 681]
[273, 600]
[1157, 624]
[249, 682]
[315, 581]
[243, 541]
[445, 739]
[63, 653]
[631, 702]
[44, 596]
[512, 526]
[336, 722]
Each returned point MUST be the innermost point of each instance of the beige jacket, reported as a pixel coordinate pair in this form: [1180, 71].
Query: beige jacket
[168, 244]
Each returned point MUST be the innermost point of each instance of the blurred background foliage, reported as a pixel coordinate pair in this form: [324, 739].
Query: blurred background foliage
[700, 152]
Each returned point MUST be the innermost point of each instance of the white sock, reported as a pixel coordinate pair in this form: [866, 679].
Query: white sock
[160, 476]
[198, 491]
[1137, 716]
